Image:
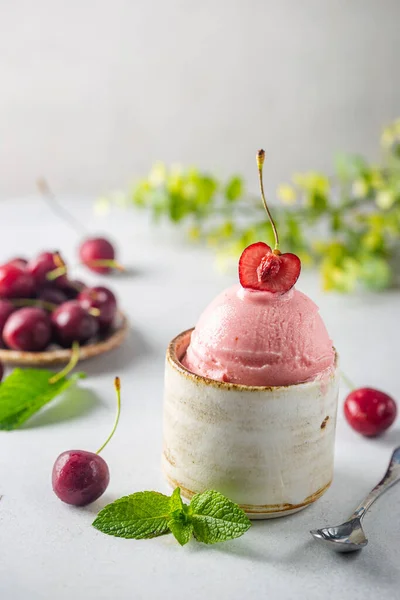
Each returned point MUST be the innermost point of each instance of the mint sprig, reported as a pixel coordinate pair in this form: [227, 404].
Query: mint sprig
[210, 517]
[26, 391]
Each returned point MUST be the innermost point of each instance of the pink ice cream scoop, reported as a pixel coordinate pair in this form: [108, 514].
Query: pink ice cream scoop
[260, 338]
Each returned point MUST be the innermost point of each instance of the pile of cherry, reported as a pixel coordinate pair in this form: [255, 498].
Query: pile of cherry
[36, 310]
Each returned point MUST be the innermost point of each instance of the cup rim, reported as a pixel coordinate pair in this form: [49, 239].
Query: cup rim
[174, 361]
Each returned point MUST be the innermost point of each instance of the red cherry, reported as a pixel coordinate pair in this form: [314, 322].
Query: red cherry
[44, 264]
[18, 262]
[15, 282]
[72, 288]
[95, 249]
[52, 295]
[80, 477]
[369, 411]
[102, 299]
[27, 329]
[71, 322]
[262, 269]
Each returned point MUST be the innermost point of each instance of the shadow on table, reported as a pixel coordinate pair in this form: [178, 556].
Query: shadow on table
[135, 348]
[72, 404]
[287, 541]
[390, 439]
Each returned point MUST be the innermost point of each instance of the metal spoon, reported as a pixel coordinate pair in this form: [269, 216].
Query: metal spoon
[350, 536]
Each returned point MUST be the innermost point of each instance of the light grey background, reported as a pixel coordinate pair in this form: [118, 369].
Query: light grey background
[93, 91]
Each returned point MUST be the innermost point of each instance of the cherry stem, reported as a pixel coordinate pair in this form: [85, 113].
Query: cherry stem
[260, 162]
[104, 262]
[117, 385]
[347, 381]
[56, 273]
[31, 302]
[56, 207]
[62, 270]
[71, 365]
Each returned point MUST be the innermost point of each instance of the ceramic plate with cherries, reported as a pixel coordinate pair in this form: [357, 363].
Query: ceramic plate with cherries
[43, 311]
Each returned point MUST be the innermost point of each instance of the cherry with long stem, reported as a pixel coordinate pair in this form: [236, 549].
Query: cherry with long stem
[80, 477]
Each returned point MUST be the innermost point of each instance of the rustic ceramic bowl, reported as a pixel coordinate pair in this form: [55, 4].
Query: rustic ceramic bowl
[59, 356]
[270, 449]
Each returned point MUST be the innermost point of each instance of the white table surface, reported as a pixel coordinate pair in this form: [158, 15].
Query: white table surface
[49, 550]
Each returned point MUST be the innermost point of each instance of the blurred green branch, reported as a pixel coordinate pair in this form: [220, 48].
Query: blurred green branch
[348, 225]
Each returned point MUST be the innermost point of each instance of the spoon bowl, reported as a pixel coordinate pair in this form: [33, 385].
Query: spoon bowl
[350, 536]
[347, 537]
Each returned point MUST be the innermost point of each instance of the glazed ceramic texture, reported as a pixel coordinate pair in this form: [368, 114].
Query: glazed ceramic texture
[270, 449]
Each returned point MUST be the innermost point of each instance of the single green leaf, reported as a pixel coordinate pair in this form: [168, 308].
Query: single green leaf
[26, 391]
[215, 518]
[176, 503]
[138, 516]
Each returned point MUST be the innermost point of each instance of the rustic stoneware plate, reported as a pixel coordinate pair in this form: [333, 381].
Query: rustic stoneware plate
[63, 355]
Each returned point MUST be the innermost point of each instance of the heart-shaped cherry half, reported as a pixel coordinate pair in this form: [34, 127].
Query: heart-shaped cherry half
[266, 270]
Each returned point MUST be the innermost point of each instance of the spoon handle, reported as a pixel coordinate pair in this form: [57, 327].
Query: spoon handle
[391, 477]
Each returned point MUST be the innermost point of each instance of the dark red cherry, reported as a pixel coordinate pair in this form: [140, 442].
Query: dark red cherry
[369, 411]
[103, 300]
[15, 282]
[72, 288]
[44, 264]
[95, 249]
[27, 329]
[80, 477]
[72, 323]
[52, 295]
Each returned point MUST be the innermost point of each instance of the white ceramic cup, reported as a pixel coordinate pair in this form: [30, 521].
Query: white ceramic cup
[270, 449]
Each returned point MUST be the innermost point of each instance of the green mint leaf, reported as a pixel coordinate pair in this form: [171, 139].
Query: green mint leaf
[26, 391]
[138, 516]
[176, 503]
[215, 518]
[179, 522]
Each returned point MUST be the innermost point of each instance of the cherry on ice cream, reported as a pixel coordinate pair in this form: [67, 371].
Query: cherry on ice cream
[264, 269]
